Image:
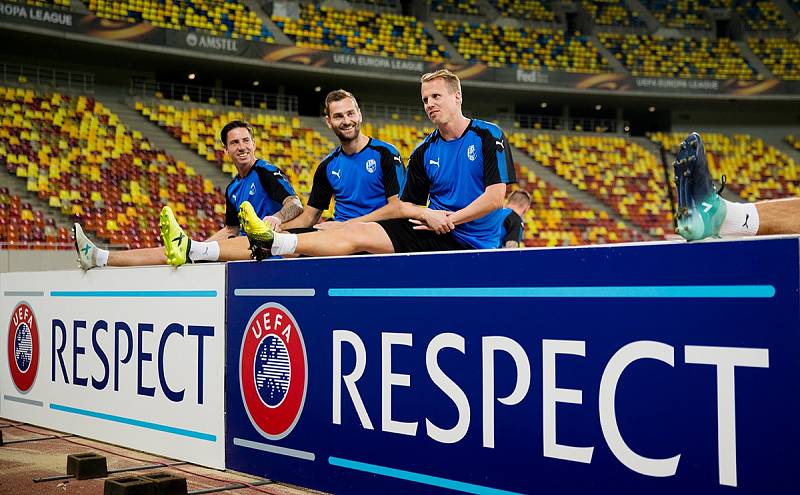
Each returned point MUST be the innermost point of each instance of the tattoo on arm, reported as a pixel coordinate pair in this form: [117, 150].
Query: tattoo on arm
[291, 208]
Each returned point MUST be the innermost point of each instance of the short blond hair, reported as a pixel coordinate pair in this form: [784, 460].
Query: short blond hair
[451, 80]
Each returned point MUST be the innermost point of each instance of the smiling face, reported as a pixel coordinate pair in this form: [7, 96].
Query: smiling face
[441, 103]
[241, 147]
[344, 119]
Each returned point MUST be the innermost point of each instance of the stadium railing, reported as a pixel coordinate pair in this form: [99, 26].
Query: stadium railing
[47, 76]
[214, 96]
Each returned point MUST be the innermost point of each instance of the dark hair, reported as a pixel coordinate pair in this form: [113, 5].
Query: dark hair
[337, 95]
[233, 124]
[520, 196]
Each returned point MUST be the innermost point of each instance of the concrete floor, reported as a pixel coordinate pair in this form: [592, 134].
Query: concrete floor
[21, 463]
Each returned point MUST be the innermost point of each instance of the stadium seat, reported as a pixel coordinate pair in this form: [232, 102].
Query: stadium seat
[461, 7]
[361, 32]
[780, 55]
[655, 56]
[23, 228]
[77, 156]
[621, 174]
[760, 15]
[681, 14]
[218, 17]
[529, 10]
[523, 47]
[612, 13]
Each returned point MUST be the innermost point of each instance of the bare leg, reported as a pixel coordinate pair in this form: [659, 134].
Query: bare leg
[137, 257]
[355, 238]
[779, 216]
[234, 249]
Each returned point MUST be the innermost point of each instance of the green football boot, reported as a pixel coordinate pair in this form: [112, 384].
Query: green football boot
[176, 242]
[259, 232]
[701, 211]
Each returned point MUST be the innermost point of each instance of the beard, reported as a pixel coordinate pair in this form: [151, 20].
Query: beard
[356, 130]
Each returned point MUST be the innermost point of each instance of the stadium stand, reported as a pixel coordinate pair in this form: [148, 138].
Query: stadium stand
[780, 55]
[680, 14]
[612, 13]
[57, 4]
[529, 10]
[523, 47]
[555, 219]
[21, 227]
[794, 141]
[75, 154]
[281, 139]
[383, 5]
[218, 17]
[621, 174]
[362, 32]
[760, 16]
[654, 56]
[403, 136]
[753, 169]
[461, 7]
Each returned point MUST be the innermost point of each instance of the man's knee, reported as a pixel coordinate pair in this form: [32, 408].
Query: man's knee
[366, 236]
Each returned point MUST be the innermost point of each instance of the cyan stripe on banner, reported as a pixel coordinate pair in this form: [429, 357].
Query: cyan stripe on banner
[133, 293]
[135, 422]
[622, 292]
[417, 477]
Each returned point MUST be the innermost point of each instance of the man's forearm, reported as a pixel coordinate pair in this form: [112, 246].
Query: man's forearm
[308, 218]
[393, 209]
[291, 209]
[489, 201]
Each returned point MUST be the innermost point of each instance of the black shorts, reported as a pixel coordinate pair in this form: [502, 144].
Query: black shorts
[407, 240]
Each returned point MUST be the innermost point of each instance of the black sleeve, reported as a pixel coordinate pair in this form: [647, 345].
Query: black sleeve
[513, 228]
[275, 184]
[321, 190]
[418, 184]
[498, 164]
[392, 169]
[231, 215]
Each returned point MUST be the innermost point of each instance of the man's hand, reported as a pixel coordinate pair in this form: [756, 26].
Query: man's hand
[330, 225]
[436, 220]
[274, 221]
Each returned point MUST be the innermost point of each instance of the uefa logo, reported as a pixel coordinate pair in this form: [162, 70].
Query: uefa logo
[273, 374]
[23, 347]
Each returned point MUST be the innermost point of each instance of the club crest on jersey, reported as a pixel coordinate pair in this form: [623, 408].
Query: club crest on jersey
[252, 189]
[371, 165]
[23, 347]
[273, 372]
[471, 153]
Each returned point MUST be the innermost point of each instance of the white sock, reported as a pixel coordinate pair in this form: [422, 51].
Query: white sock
[102, 257]
[741, 220]
[284, 244]
[204, 251]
